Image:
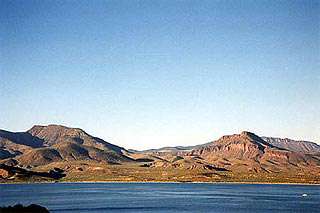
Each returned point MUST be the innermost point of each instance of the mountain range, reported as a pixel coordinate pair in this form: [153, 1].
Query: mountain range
[83, 157]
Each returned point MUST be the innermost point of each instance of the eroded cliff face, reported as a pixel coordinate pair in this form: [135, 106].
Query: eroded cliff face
[249, 152]
[242, 146]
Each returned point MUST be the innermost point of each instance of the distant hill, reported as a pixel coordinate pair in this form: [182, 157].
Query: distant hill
[306, 147]
[293, 145]
[45, 144]
[173, 149]
[237, 157]
[247, 151]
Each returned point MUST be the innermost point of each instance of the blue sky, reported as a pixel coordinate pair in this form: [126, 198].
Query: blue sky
[145, 74]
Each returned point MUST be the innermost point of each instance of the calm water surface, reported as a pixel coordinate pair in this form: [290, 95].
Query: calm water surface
[163, 197]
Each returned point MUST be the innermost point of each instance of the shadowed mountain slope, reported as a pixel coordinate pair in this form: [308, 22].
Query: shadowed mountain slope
[56, 134]
[46, 144]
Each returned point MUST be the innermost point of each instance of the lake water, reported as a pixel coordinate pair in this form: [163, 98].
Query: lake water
[164, 197]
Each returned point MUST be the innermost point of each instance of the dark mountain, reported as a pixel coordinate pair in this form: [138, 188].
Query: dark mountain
[22, 138]
[16, 143]
[45, 144]
[56, 134]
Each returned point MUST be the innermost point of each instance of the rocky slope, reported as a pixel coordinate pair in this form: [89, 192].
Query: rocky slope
[293, 145]
[46, 144]
[306, 147]
[237, 157]
[249, 152]
[245, 152]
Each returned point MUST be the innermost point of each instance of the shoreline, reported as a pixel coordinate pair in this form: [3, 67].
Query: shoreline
[167, 182]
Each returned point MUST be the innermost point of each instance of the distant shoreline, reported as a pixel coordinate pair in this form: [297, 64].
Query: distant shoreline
[169, 182]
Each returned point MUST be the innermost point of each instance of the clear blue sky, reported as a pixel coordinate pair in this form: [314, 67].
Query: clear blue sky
[145, 74]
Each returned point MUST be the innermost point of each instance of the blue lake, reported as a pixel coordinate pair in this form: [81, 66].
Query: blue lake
[164, 197]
